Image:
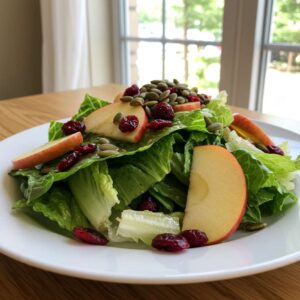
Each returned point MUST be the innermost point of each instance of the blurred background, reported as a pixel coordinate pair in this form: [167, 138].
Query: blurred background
[249, 48]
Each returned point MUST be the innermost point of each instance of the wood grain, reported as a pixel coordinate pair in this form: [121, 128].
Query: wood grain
[19, 281]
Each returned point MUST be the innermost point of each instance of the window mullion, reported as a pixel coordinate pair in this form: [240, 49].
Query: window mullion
[163, 38]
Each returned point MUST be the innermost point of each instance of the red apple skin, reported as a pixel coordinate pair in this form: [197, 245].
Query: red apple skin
[229, 156]
[187, 106]
[247, 129]
[48, 151]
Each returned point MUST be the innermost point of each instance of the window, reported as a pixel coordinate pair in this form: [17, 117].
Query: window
[238, 45]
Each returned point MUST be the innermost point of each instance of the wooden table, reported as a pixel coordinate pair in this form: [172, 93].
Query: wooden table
[19, 281]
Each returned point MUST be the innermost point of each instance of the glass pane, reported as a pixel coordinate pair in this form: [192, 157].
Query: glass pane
[145, 18]
[145, 61]
[282, 93]
[286, 22]
[197, 66]
[194, 19]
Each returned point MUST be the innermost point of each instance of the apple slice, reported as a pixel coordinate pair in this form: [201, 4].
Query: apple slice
[217, 194]
[187, 106]
[101, 121]
[48, 151]
[249, 130]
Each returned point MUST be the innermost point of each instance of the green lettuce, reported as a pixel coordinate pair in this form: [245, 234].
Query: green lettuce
[134, 175]
[59, 206]
[54, 131]
[93, 190]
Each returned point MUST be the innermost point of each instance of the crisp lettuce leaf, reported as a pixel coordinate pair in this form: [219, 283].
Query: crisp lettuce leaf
[134, 175]
[89, 105]
[177, 168]
[93, 190]
[221, 113]
[171, 189]
[55, 131]
[57, 205]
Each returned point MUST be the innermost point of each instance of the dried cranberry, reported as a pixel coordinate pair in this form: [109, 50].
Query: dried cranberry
[163, 110]
[196, 238]
[69, 161]
[148, 203]
[170, 242]
[132, 90]
[71, 127]
[193, 98]
[275, 150]
[90, 236]
[128, 123]
[85, 149]
[173, 90]
[158, 124]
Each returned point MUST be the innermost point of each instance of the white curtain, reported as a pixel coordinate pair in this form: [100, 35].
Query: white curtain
[66, 61]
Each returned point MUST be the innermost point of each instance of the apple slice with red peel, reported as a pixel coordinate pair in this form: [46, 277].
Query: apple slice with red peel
[187, 106]
[101, 121]
[48, 151]
[217, 194]
[245, 128]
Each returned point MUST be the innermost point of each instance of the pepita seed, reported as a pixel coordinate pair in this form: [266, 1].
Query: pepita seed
[143, 95]
[173, 103]
[185, 93]
[156, 81]
[149, 86]
[164, 95]
[193, 94]
[167, 100]
[152, 96]
[108, 147]
[180, 100]
[148, 111]
[162, 86]
[137, 102]
[255, 226]
[195, 90]
[157, 91]
[173, 97]
[117, 118]
[151, 103]
[214, 127]
[105, 153]
[175, 81]
[170, 84]
[181, 86]
[103, 141]
[126, 98]
[143, 89]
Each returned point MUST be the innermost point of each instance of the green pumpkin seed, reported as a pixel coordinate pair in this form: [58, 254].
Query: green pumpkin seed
[173, 97]
[195, 90]
[137, 101]
[170, 84]
[180, 100]
[149, 86]
[143, 89]
[152, 96]
[214, 127]
[181, 86]
[173, 103]
[151, 103]
[108, 147]
[164, 95]
[105, 153]
[103, 141]
[175, 81]
[255, 226]
[163, 86]
[156, 81]
[117, 118]
[143, 95]
[148, 111]
[185, 93]
[193, 94]
[167, 100]
[126, 98]
[157, 91]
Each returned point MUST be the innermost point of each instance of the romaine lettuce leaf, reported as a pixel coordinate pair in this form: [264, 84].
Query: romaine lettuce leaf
[93, 190]
[59, 206]
[55, 131]
[221, 113]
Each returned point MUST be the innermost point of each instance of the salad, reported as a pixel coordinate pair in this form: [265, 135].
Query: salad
[164, 165]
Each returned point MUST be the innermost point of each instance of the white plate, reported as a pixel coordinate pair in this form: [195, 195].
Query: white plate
[24, 240]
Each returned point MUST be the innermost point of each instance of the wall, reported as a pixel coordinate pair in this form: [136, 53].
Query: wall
[20, 48]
